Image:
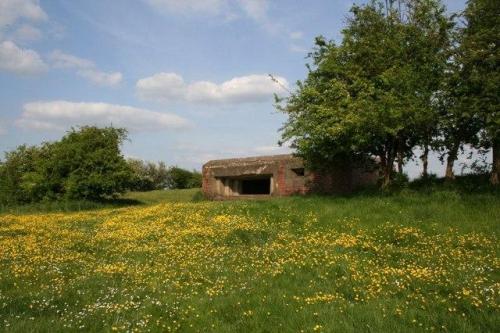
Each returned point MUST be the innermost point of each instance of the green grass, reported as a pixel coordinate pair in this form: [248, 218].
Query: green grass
[128, 199]
[159, 196]
[417, 260]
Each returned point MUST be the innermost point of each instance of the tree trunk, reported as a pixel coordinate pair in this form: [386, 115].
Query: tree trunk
[399, 157]
[387, 162]
[450, 162]
[449, 168]
[425, 161]
[495, 172]
[383, 164]
[400, 163]
[387, 176]
[400, 154]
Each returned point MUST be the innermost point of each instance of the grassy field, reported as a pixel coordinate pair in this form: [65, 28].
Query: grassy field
[413, 261]
[127, 200]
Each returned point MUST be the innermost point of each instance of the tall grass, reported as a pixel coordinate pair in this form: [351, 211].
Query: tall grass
[413, 260]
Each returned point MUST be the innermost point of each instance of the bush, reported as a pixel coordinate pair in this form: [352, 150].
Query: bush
[17, 174]
[181, 178]
[85, 164]
[196, 179]
[148, 176]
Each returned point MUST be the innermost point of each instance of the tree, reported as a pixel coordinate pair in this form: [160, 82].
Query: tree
[196, 179]
[429, 38]
[148, 176]
[458, 124]
[371, 95]
[89, 163]
[14, 173]
[480, 77]
[85, 164]
[182, 179]
[141, 180]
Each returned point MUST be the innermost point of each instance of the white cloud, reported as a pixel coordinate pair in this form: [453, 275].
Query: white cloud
[14, 30]
[101, 78]
[12, 10]
[230, 9]
[85, 68]
[212, 7]
[20, 61]
[255, 9]
[63, 60]
[161, 87]
[60, 115]
[26, 33]
[167, 87]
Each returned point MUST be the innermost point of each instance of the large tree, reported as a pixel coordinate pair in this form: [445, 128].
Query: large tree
[429, 40]
[371, 95]
[89, 163]
[85, 164]
[458, 124]
[479, 61]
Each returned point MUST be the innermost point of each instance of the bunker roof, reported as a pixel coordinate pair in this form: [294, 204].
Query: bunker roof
[230, 162]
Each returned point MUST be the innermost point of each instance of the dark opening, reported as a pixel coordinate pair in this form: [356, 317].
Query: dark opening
[256, 186]
[299, 171]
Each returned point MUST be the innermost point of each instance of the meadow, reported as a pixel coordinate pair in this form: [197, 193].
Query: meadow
[413, 261]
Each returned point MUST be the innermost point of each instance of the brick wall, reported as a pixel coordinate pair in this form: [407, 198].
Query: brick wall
[333, 181]
[285, 180]
[281, 179]
[208, 183]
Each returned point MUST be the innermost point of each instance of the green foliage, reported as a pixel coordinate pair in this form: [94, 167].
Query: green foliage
[472, 183]
[468, 94]
[480, 58]
[182, 179]
[479, 72]
[372, 95]
[85, 164]
[17, 173]
[89, 164]
[196, 179]
[148, 176]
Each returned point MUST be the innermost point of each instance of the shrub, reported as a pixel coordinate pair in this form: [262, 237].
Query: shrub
[17, 174]
[85, 164]
[148, 176]
[181, 178]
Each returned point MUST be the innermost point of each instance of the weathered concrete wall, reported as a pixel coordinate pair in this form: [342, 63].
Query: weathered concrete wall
[222, 178]
[217, 175]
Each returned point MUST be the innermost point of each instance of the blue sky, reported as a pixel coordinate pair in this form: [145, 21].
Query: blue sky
[188, 78]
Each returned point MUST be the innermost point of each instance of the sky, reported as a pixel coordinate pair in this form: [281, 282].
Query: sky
[187, 78]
